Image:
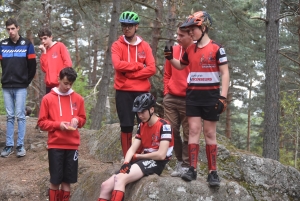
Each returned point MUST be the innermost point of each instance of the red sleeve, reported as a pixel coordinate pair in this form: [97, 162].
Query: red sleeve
[121, 65]
[81, 116]
[43, 121]
[167, 75]
[43, 62]
[149, 68]
[65, 56]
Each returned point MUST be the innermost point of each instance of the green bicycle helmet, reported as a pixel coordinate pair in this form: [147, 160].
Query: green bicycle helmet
[129, 18]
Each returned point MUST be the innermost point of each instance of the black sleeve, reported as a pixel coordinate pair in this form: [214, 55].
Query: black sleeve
[31, 63]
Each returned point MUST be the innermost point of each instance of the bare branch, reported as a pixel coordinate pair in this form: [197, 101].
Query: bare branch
[259, 18]
[144, 4]
[81, 7]
[285, 15]
[297, 62]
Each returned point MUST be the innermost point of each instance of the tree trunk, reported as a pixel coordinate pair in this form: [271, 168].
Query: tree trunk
[271, 127]
[228, 115]
[171, 22]
[76, 38]
[249, 116]
[296, 145]
[99, 110]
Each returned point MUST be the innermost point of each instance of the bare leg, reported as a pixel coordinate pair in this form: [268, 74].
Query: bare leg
[65, 186]
[107, 187]
[210, 132]
[121, 180]
[195, 127]
[54, 186]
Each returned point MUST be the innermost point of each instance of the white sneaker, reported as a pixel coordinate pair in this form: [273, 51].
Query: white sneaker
[179, 170]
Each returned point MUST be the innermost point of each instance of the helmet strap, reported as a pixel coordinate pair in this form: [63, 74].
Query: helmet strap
[198, 41]
[150, 115]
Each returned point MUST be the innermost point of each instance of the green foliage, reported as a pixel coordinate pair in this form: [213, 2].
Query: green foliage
[286, 157]
[289, 124]
[80, 86]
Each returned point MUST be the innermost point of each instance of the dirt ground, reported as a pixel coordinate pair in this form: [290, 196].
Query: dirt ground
[27, 178]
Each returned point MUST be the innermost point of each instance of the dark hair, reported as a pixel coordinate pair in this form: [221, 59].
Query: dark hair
[45, 31]
[11, 21]
[68, 72]
[184, 29]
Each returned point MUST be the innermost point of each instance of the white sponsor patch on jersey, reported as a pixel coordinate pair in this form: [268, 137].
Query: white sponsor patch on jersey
[223, 59]
[222, 51]
[166, 127]
[204, 77]
[166, 136]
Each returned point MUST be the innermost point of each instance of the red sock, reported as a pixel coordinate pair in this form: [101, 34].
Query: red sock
[211, 154]
[53, 195]
[126, 139]
[117, 195]
[193, 154]
[101, 199]
[64, 195]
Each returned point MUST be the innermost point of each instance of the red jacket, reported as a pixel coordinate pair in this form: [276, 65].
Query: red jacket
[55, 108]
[56, 58]
[175, 81]
[133, 64]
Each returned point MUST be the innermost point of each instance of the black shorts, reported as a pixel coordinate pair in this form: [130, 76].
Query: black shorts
[63, 165]
[149, 167]
[208, 113]
[124, 104]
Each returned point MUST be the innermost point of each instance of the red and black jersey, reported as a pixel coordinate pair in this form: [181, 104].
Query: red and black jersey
[151, 136]
[204, 77]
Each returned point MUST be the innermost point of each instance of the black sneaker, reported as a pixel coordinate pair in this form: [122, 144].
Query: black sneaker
[190, 175]
[213, 179]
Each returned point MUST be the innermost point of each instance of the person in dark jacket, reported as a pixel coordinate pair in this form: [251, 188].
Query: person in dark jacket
[18, 61]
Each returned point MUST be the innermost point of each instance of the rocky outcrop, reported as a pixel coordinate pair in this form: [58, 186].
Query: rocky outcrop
[244, 176]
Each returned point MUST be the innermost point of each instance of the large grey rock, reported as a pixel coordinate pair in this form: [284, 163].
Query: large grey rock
[105, 143]
[244, 176]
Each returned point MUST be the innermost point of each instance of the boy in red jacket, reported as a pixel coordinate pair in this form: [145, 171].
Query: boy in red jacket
[174, 102]
[134, 64]
[54, 58]
[61, 113]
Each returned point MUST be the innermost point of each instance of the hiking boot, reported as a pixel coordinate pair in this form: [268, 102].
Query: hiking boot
[190, 175]
[179, 170]
[213, 179]
[21, 151]
[176, 173]
[7, 151]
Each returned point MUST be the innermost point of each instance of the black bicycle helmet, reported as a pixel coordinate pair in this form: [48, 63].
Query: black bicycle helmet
[143, 102]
